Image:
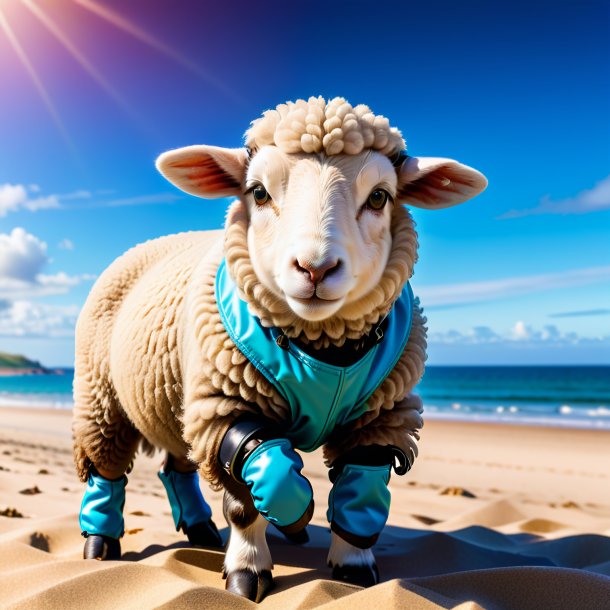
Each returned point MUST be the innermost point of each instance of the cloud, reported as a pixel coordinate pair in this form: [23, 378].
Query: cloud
[80, 194]
[66, 244]
[14, 197]
[581, 313]
[475, 336]
[22, 255]
[447, 295]
[26, 319]
[591, 200]
[520, 334]
[155, 198]
[22, 258]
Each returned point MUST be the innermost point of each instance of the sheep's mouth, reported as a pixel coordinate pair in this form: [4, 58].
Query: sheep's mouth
[315, 300]
[314, 308]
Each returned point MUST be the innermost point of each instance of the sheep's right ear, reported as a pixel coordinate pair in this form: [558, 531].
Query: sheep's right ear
[434, 183]
[205, 171]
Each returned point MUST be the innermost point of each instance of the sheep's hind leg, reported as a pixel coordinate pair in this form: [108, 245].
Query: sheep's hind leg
[352, 564]
[103, 453]
[190, 511]
[248, 564]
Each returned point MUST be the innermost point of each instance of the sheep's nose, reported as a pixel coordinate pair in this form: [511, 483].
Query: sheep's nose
[317, 272]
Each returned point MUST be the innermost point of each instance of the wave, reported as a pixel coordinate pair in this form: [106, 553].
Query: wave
[543, 397]
[39, 401]
[551, 422]
[565, 416]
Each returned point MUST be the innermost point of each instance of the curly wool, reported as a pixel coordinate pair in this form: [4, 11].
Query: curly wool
[333, 127]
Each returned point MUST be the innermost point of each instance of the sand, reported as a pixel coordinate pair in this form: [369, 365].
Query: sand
[491, 516]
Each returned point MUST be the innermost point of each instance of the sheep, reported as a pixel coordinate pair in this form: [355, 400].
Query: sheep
[294, 328]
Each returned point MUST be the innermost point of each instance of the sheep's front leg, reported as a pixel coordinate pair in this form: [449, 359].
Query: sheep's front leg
[248, 563]
[263, 483]
[352, 564]
[358, 509]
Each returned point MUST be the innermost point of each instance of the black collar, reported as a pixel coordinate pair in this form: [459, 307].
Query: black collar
[347, 354]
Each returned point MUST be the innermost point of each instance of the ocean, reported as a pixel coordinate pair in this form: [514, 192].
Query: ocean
[567, 396]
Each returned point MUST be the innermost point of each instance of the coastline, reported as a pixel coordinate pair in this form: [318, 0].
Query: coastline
[8, 372]
[483, 502]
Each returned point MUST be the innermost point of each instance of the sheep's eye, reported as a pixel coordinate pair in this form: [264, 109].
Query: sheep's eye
[260, 194]
[377, 199]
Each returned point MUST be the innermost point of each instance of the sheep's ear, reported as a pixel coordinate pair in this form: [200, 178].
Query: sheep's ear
[435, 183]
[205, 171]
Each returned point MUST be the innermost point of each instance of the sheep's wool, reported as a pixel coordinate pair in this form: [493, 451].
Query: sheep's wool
[332, 127]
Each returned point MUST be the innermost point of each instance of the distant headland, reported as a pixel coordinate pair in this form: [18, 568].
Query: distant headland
[15, 364]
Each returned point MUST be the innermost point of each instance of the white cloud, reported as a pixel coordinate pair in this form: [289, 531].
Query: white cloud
[521, 331]
[14, 197]
[66, 244]
[492, 290]
[590, 200]
[81, 194]
[22, 258]
[22, 255]
[154, 198]
[520, 334]
[26, 319]
[580, 313]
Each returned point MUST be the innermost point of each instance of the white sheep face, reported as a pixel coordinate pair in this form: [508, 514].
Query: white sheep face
[317, 242]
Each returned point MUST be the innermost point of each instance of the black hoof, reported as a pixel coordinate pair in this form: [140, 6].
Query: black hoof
[300, 537]
[204, 534]
[297, 532]
[363, 576]
[249, 584]
[102, 548]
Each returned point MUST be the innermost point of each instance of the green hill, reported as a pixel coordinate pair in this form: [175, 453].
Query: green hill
[15, 361]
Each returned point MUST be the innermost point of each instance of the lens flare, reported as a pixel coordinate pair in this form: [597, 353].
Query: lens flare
[27, 64]
[133, 30]
[84, 62]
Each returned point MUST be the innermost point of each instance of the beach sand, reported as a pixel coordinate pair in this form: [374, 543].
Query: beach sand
[491, 516]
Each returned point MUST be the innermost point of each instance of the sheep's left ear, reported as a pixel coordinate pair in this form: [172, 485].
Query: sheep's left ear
[205, 171]
[434, 183]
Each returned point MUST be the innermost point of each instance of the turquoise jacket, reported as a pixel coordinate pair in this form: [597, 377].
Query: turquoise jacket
[321, 396]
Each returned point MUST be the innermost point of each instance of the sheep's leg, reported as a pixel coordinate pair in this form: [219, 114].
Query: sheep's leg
[248, 564]
[190, 511]
[105, 443]
[358, 508]
[352, 564]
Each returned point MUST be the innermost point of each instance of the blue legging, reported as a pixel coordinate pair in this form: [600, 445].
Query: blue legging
[273, 473]
[359, 503]
[101, 511]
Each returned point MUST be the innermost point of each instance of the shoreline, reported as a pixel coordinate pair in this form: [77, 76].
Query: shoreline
[573, 422]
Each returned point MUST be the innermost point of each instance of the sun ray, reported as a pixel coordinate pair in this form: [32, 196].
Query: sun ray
[14, 42]
[84, 62]
[127, 26]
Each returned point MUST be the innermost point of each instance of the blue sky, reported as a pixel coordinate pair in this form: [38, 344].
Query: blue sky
[92, 92]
